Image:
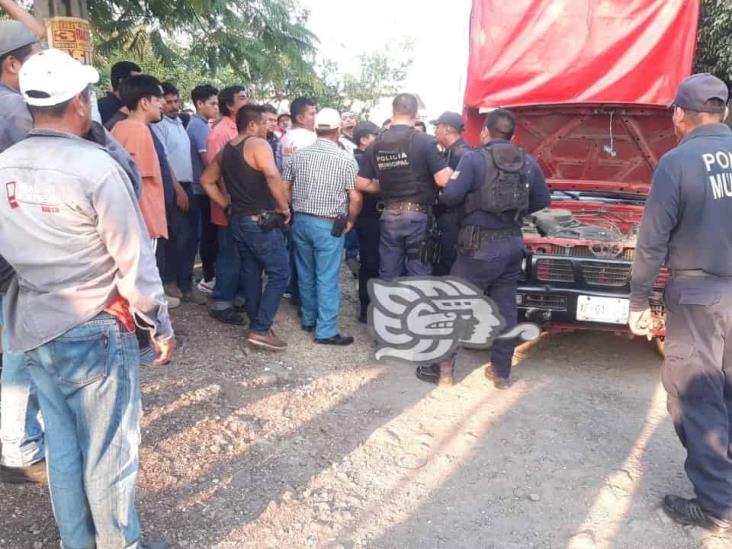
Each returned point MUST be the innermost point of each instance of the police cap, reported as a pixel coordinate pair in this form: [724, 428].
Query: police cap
[452, 119]
[362, 129]
[14, 35]
[694, 92]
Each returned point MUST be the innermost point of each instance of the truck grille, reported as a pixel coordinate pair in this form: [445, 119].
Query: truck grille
[584, 251]
[545, 302]
[554, 270]
[606, 274]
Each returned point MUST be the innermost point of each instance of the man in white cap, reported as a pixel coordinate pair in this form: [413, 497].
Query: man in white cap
[326, 205]
[81, 253]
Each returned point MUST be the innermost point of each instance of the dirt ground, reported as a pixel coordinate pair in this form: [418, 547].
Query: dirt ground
[323, 447]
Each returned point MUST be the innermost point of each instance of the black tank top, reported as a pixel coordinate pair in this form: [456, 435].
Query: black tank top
[248, 187]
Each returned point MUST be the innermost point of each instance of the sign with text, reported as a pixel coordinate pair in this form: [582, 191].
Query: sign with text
[71, 35]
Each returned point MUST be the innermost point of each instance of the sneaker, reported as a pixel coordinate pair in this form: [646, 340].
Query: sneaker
[34, 473]
[194, 297]
[173, 302]
[147, 355]
[307, 328]
[172, 290]
[207, 287]
[337, 339]
[228, 316]
[155, 545]
[353, 265]
[266, 340]
[690, 513]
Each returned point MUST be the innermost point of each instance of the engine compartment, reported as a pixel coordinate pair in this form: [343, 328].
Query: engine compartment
[567, 224]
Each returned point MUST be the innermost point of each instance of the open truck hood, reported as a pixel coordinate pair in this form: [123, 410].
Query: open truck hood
[604, 148]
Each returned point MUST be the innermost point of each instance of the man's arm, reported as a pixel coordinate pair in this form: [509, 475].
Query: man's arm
[210, 183]
[139, 282]
[264, 161]
[461, 180]
[355, 203]
[181, 197]
[436, 163]
[539, 195]
[660, 216]
[19, 14]
[367, 185]
[368, 174]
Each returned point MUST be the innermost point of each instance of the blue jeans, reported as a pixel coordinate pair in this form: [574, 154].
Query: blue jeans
[88, 383]
[21, 427]
[401, 235]
[182, 244]
[318, 260]
[230, 278]
[261, 252]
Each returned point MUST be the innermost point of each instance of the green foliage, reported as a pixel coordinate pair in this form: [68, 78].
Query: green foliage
[250, 40]
[714, 50]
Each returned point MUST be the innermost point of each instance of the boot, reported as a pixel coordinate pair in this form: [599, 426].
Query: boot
[440, 374]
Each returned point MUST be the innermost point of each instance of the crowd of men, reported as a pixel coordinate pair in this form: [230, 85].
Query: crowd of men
[108, 206]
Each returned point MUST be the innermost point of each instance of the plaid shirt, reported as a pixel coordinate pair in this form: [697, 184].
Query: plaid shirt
[321, 176]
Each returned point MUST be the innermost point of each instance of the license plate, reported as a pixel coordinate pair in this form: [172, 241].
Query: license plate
[610, 310]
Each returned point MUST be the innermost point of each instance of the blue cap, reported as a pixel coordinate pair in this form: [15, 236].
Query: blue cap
[694, 92]
[452, 119]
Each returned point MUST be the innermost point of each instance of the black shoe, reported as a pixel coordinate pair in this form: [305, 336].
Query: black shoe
[308, 328]
[34, 473]
[429, 374]
[228, 316]
[689, 512]
[155, 545]
[335, 340]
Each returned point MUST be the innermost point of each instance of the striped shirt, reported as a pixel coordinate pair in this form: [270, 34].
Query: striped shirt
[321, 176]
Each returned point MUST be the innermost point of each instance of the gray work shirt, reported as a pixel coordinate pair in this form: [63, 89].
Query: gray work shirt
[77, 240]
[687, 221]
[178, 146]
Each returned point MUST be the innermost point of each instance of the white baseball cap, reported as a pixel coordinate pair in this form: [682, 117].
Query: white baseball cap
[327, 119]
[52, 76]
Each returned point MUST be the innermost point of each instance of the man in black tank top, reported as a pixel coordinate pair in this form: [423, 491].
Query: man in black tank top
[253, 189]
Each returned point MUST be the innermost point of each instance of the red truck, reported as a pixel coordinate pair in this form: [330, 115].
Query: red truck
[590, 82]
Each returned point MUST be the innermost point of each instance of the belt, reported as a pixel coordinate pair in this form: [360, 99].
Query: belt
[695, 273]
[407, 207]
[331, 219]
[499, 234]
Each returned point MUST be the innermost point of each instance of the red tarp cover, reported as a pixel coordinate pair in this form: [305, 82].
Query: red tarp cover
[533, 52]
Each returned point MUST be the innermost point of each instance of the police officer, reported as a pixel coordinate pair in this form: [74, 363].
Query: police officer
[449, 135]
[687, 223]
[367, 224]
[405, 166]
[490, 244]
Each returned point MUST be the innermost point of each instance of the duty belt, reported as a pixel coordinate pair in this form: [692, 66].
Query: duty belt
[407, 207]
[687, 273]
[499, 234]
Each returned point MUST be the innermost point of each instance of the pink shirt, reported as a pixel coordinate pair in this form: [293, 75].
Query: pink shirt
[220, 135]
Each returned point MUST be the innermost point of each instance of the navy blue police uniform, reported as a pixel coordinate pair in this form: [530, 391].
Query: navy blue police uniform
[448, 219]
[404, 161]
[687, 223]
[490, 246]
[369, 234]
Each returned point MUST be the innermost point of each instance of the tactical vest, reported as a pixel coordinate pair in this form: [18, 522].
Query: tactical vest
[505, 188]
[394, 155]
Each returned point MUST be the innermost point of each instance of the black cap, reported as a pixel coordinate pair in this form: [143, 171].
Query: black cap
[362, 129]
[452, 119]
[697, 89]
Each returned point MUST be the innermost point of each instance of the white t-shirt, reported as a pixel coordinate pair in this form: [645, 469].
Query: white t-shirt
[294, 140]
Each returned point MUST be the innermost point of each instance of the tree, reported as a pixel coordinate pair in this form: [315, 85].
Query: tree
[714, 50]
[255, 39]
[380, 75]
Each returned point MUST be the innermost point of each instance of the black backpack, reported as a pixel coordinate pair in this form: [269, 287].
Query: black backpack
[506, 185]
